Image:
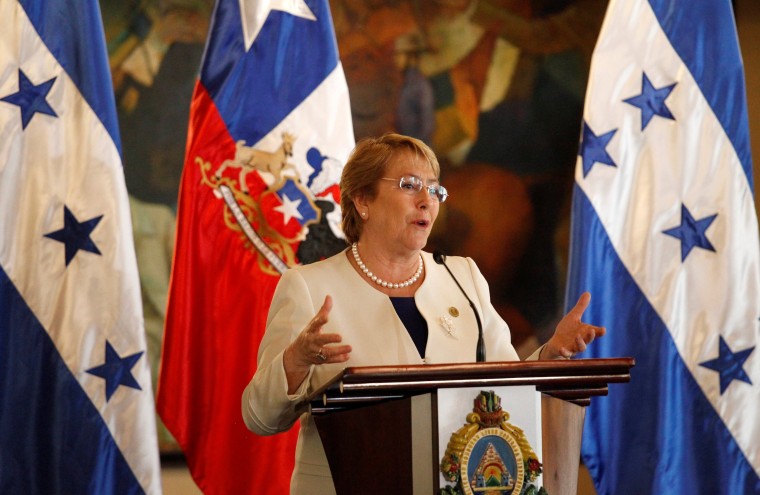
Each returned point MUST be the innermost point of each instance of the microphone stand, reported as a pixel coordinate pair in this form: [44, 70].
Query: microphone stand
[480, 350]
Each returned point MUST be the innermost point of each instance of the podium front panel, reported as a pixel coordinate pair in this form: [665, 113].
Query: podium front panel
[478, 438]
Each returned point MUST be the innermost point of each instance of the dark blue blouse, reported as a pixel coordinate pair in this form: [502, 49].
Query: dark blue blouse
[413, 321]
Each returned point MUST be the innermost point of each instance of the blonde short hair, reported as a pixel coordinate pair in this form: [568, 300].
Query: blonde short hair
[366, 165]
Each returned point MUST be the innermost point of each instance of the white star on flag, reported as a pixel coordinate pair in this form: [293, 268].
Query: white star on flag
[289, 209]
[253, 15]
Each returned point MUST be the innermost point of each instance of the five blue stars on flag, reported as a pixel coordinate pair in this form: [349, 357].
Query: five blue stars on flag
[691, 232]
[31, 98]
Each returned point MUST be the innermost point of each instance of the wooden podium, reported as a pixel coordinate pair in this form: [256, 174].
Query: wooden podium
[378, 424]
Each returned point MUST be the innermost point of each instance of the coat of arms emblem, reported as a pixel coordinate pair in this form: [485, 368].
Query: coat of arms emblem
[489, 455]
[284, 215]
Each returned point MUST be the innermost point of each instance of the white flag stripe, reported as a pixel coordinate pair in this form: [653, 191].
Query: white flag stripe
[333, 136]
[690, 161]
[71, 160]
[310, 123]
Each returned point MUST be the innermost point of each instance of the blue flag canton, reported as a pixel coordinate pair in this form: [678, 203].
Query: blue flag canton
[295, 204]
[290, 56]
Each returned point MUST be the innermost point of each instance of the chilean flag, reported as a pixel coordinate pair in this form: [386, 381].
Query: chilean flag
[76, 405]
[665, 236]
[270, 128]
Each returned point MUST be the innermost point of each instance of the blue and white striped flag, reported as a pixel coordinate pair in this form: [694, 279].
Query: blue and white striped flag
[76, 407]
[665, 237]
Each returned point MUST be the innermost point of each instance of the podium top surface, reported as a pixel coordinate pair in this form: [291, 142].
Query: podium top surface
[574, 380]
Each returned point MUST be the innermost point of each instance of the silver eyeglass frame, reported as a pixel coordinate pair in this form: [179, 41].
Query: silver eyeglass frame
[436, 191]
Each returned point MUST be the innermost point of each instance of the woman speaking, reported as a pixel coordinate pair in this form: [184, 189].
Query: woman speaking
[382, 301]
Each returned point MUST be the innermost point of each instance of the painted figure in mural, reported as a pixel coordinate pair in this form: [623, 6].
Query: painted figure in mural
[416, 107]
[381, 301]
[155, 48]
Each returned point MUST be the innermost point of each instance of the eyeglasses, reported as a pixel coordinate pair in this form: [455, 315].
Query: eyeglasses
[412, 185]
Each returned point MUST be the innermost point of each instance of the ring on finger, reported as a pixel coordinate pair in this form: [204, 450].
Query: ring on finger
[321, 355]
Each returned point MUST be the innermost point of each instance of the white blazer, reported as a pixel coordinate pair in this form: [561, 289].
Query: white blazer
[366, 319]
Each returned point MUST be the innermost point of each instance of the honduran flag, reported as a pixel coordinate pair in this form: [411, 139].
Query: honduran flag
[270, 128]
[76, 406]
[665, 236]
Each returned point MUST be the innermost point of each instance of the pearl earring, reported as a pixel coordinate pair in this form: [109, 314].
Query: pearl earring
[364, 214]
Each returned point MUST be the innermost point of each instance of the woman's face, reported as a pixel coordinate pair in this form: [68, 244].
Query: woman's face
[398, 220]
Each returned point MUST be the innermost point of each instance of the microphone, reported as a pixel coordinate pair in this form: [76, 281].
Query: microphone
[480, 353]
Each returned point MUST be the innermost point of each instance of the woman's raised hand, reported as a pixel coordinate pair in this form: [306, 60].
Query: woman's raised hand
[313, 347]
[572, 335]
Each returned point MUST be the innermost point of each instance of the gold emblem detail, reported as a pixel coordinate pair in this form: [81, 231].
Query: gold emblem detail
[274, 171]
[453, 311]
[490, 455]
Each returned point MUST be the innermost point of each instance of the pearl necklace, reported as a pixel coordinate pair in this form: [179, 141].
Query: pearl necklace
[379, 281]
